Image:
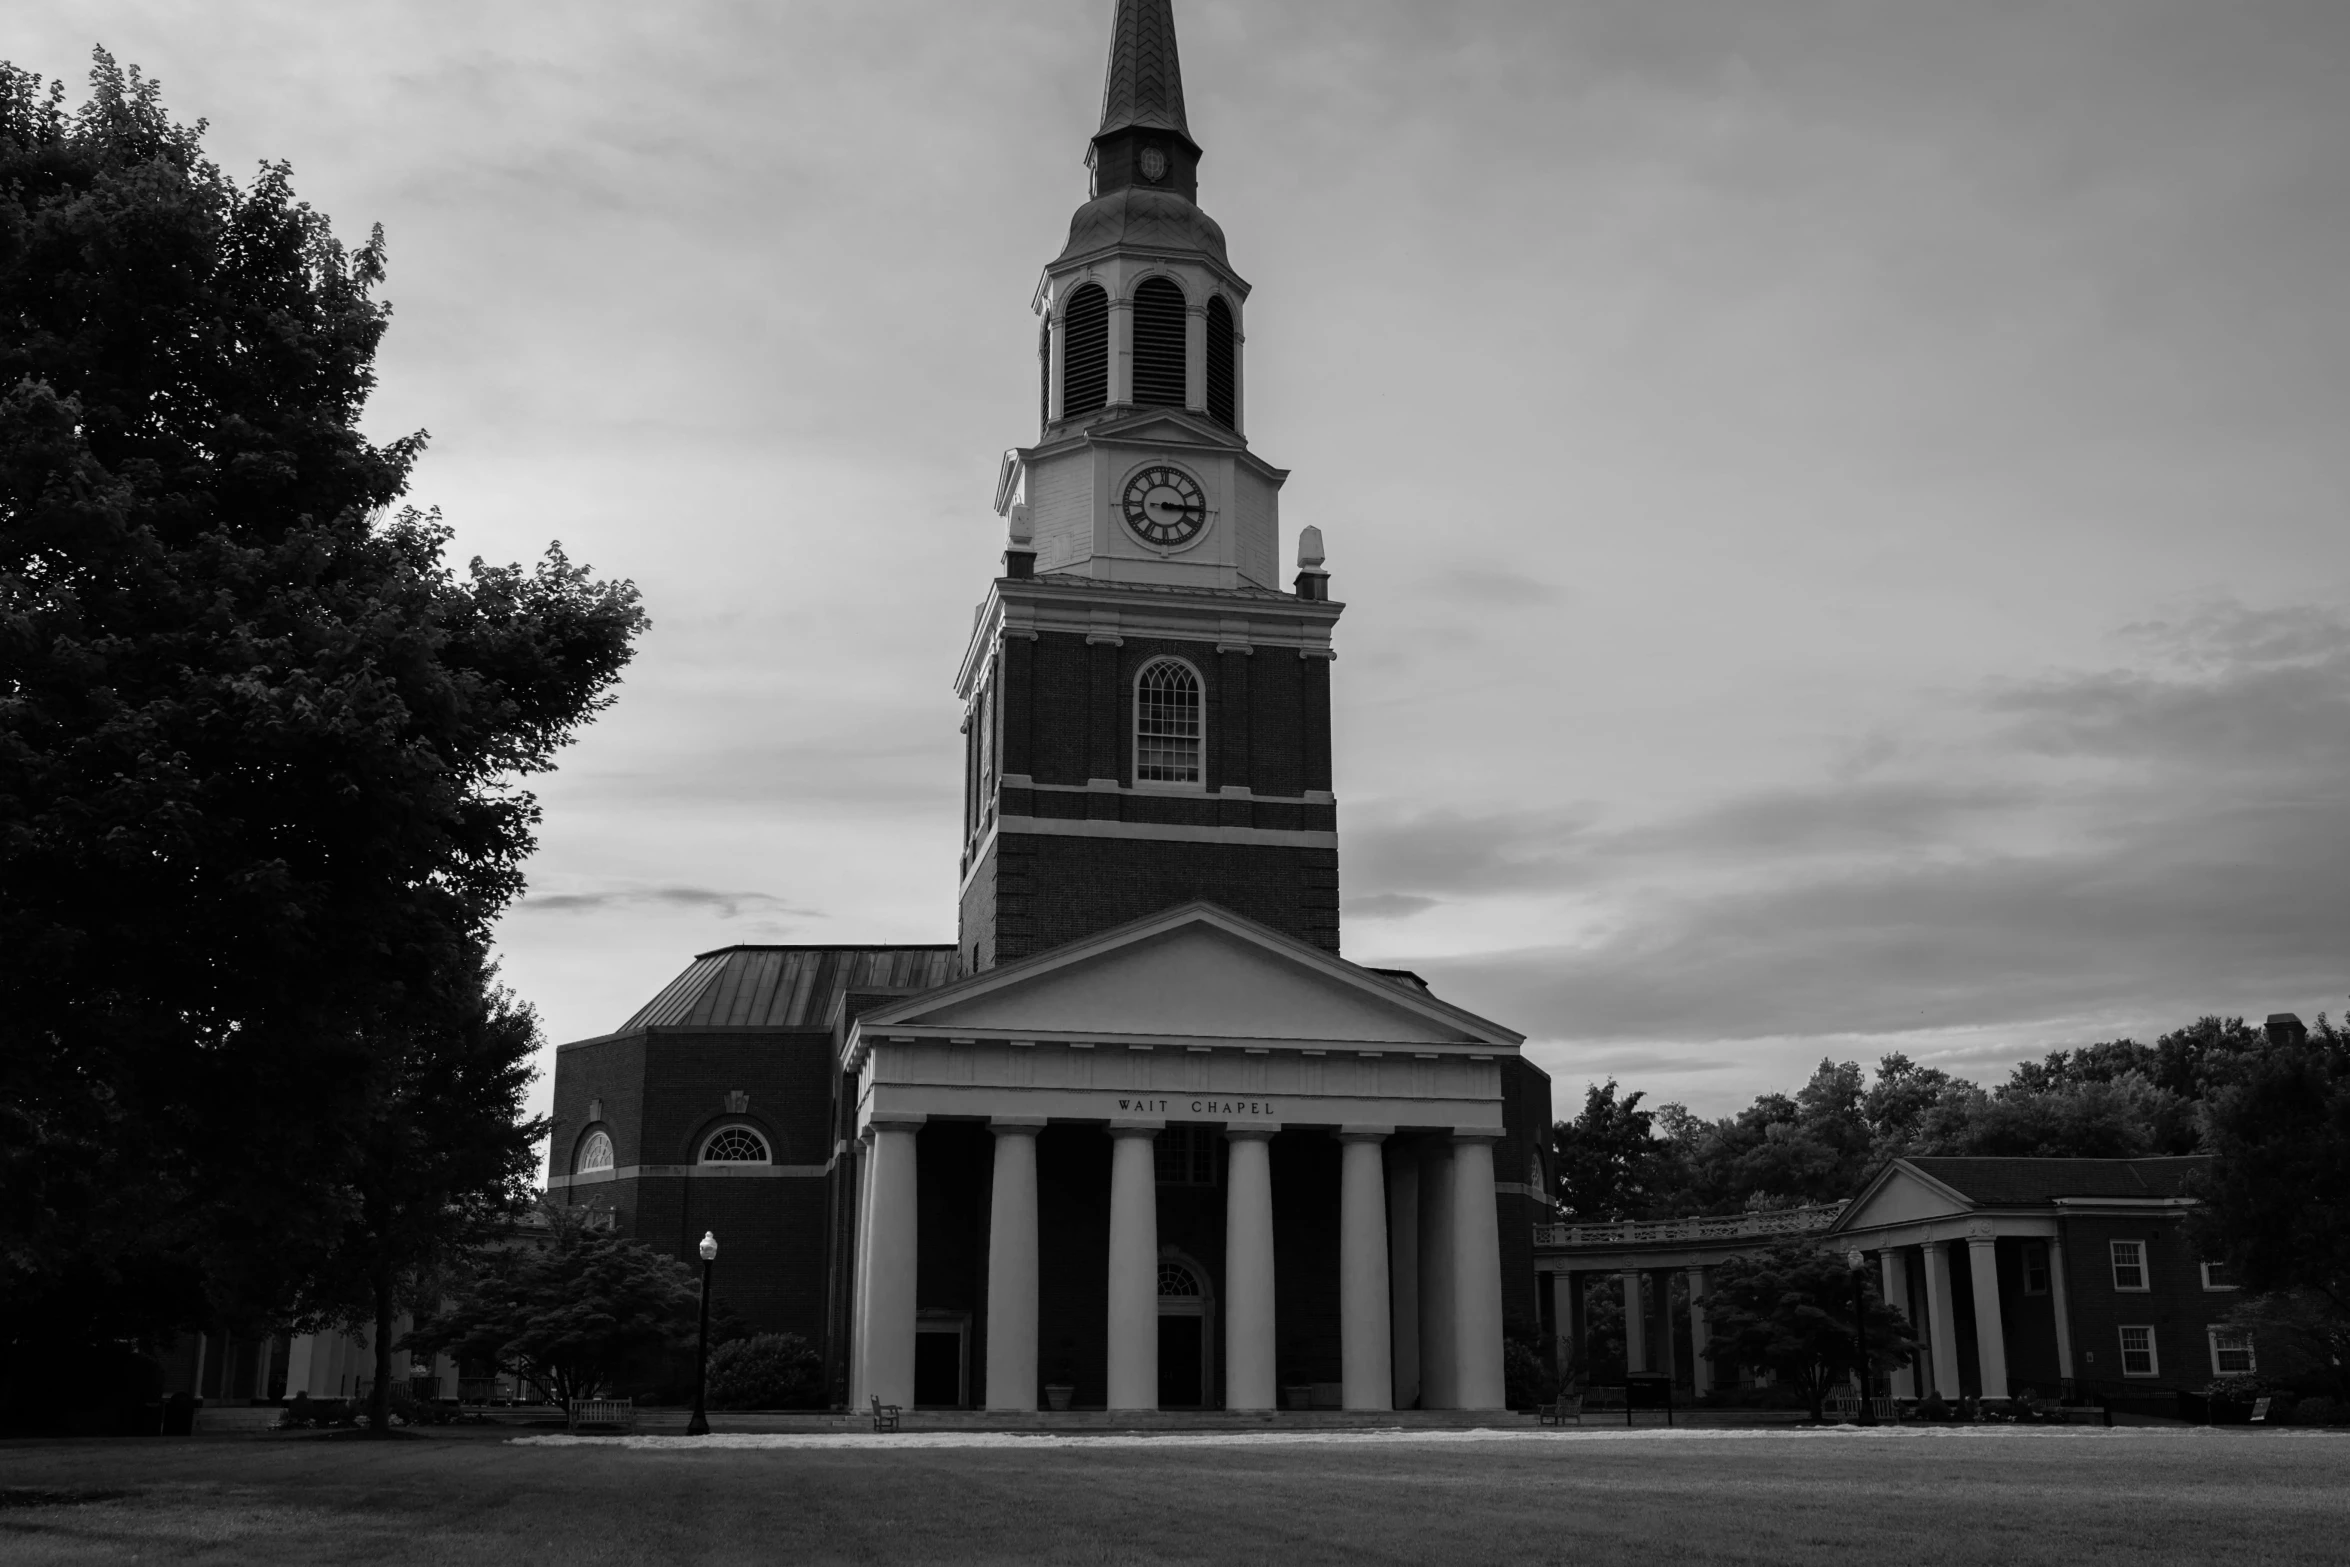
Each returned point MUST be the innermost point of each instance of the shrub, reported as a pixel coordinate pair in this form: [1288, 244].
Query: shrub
[766, 1371]
[2318, 1411]
[1527, 1379]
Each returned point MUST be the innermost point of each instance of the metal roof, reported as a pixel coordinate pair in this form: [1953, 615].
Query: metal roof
[786, 987]
[1144, 84]
[2007, 1182]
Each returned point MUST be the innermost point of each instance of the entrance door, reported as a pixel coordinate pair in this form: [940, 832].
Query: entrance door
[938, 1366]
[1182, 1362]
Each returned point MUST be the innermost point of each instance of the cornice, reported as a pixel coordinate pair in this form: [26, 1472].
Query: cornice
[1026, 606]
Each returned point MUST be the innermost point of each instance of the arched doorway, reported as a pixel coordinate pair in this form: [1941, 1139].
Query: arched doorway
[1187, 1338]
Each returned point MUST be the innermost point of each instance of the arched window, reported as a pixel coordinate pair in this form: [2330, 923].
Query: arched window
[1223, 384]
[594, 1154]
[1176, 1282]
[1085, 352]
[1167, 724]
[735, 1145]
[1158, 345]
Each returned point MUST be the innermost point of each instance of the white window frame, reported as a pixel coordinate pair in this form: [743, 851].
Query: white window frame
[1199, 684]
[2153, 1354]
[2138, 1262]
[2205, 1268]
[2251, 1365]
[587, 1145]
[2047, 1265]
[702, 1152]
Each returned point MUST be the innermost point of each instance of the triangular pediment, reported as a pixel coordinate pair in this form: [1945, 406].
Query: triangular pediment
[1197, 973]
[1902, 1195]
[1164, 427]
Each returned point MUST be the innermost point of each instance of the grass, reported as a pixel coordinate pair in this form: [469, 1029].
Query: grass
[1911, 1497]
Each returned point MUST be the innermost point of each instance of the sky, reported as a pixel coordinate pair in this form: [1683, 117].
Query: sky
[1843, 505]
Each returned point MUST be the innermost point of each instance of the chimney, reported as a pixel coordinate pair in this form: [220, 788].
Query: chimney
[1312, 581]
[2286, 1028]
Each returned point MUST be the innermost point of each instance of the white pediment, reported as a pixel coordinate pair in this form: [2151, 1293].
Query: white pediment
[1203, 975]
[1902, 1196]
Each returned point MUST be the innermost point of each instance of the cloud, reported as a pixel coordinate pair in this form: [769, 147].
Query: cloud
[2191, 857]
[726, 905]
[1388, 906]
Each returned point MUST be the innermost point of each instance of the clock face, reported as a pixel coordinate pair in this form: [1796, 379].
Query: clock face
[1165, 506]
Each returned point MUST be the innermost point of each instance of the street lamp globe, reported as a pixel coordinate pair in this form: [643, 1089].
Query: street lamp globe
[709, 1247]
[1852, 1259]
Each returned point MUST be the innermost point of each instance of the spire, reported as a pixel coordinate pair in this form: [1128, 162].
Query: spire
[1144, 142]
[1144, 86]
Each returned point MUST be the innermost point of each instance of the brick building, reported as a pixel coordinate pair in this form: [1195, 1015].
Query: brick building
[1140, 1137]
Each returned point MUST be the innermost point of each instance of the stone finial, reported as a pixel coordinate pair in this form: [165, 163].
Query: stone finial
[737, 1101]
[1309, 549]
[1023, 531]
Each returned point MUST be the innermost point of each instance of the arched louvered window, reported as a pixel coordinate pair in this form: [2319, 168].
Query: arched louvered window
[1223, 383]
[1167, 724]
[1085, 352]
[1158, 345]
[1044, 374]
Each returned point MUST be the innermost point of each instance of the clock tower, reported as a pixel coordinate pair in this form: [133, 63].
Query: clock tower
[1147, 709]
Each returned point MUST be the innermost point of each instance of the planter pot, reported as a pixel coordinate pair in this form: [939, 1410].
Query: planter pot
[1058, 1394]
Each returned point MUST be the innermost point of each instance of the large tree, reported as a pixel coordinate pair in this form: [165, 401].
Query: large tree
[1790, 1310]
[259, 741]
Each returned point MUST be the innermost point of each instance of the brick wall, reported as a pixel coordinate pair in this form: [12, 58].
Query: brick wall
[2175, 1304]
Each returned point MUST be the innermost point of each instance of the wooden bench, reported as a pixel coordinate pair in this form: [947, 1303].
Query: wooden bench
[613, 1412]
[885, 1416]
[1569, 1406]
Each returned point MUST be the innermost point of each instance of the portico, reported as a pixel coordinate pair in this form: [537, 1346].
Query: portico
[1345, 1119]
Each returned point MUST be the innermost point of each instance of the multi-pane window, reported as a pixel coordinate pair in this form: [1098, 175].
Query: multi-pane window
[2035, 1267]
[735, 1145]
[1186, 1155]
[1167, 724]
[2215, 1276]
[2138, 1353]
[2231, 1353]
[594, 1154]
[2129, 1265]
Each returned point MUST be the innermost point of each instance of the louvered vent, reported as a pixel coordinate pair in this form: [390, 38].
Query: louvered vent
[1158, 345]
[1085, 352]
[1223, 387]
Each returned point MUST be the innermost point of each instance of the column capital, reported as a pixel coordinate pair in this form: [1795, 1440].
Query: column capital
[896, 1121]
[1254, 1132]
[1129, 1128]
[1476, 1134]
[1365, 1134]
[1016, 1125]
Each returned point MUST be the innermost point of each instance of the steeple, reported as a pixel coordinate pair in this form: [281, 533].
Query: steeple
[1144, 140]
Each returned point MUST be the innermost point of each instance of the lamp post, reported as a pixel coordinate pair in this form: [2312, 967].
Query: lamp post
[1858, 1263]
[699, 1425]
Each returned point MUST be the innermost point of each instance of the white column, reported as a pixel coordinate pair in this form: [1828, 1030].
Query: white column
[1121, 350]
[1248, 1270]
[1476, 1241]
[889, 1275]
[1060, 357]
[1403, 1272]
[1941, 1321]
[861, 1242]
[1562, 1316]
[1195, 357]
[1011, 1268]
[1439, 1362]
[1365, 1351]
[1893, 1270]
[2060, 1302]
[1701, 1370]
[1990, 1332]
[1665, 1360]
[1635, 1323]
[1134, 1269]
[298, 1356]
[1239, 380]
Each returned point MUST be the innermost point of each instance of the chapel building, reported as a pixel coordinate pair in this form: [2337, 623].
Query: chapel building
[1141, 1138]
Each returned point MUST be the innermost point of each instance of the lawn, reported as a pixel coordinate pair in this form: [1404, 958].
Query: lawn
[1908, 1497]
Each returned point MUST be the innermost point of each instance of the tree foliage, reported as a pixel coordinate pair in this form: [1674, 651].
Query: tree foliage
[566, 1303]
[259, 741]
[1790, 1310]
[766, 1371]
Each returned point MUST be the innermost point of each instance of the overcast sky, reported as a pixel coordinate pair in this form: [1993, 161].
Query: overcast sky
[1842, 506]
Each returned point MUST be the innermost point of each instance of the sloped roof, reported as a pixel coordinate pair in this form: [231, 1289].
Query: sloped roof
[786, 987]
[2009, 1182]
[1142, 218]
[1144, 84]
